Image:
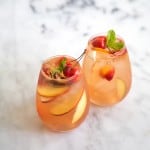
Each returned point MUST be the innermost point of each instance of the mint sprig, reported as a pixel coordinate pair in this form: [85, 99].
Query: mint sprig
[62, 64]
[112, 42]
[58, 71]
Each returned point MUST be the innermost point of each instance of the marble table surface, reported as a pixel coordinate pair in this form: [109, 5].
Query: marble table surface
[33, 30]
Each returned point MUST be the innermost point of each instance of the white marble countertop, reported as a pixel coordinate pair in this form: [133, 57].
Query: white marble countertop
[33, 30]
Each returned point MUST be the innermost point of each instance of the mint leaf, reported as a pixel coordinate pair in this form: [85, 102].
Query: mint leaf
[117, 46]
[55, 71]
[62, 64]
[112, 42]
[59, 69]
[111, 37]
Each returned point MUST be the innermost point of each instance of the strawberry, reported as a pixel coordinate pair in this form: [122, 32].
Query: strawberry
[99, 42]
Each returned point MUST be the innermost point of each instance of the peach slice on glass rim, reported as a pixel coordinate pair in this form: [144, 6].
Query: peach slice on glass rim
[80, 108]
[100, 49]
[51, 91]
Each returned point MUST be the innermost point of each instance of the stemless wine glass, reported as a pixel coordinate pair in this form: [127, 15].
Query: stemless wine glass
[107, 73]
[61, 101]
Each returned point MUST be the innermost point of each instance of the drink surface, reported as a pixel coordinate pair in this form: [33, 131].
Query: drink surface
[107, 72]
[61, 100]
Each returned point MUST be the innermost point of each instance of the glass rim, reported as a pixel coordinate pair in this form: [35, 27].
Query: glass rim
[66, 80]
[105, 54]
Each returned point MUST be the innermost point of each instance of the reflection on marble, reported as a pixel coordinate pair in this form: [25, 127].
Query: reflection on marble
[32, 30]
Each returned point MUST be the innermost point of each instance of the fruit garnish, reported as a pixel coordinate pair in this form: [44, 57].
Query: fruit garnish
[51, 91]
[107, 72]
[80, 108]
[64, 104]
[69, 71]
[108, 44]
[57, 72]
[112, 42]
[121, 88]
[62, 64]
[46, 99]
[62, 68]
[99, 42]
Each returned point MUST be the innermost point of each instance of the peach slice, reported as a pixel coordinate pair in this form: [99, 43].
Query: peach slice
[121, 88]
[51, 91]
[46, 99]
[100, 49]
[80, 108]
[65, 103]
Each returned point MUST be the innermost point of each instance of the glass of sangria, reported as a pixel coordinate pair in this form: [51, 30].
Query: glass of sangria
[61, 101]
[107, 69]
